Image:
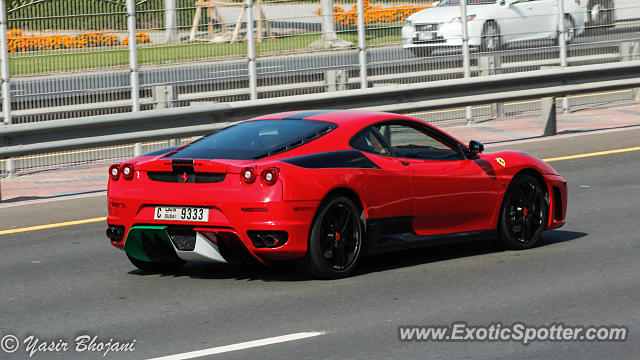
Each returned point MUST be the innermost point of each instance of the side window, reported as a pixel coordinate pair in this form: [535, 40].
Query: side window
[369, 141]
[409, 142]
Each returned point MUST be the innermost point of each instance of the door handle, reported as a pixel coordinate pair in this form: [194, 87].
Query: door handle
[405, 163]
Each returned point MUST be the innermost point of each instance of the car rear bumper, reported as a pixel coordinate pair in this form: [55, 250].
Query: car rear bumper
[229, 225]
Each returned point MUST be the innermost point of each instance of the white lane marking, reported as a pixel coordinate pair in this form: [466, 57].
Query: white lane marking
[241, 346]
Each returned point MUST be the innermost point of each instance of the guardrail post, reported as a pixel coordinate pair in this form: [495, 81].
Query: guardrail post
[251, 52]
[133, 64]
[466, 55]
[562, 42]
[133, 55]
[631, 51]
[491, 65]
[549, 116]
[5, 79]
[4, 59]
[164, 96]
[170, 21]
[362, 45]
[336, 80]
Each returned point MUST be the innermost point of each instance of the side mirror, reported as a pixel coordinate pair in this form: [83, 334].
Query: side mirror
[475, 147]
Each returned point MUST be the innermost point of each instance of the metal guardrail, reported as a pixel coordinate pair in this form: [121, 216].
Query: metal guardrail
[57, 135]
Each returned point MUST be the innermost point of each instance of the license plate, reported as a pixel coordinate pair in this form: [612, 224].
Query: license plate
[181, 213]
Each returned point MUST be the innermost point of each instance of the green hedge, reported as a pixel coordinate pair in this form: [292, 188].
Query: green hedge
[91, 14]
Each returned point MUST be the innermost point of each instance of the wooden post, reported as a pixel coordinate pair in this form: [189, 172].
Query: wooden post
[236, 31]
[196, 21]
[213, 13]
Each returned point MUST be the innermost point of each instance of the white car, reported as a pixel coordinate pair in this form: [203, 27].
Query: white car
[491, 23]
[607, 12]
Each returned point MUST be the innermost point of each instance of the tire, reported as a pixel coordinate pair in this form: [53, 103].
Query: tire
[600, 13]
[421, 51]
[570, 28]
[523, 213]
[335, 241]
[490, 38]
[157, 266]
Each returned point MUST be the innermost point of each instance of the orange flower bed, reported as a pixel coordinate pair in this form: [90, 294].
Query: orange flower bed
[373, 14]
[18, 41]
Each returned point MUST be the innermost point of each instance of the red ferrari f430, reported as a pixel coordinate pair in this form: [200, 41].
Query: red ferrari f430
[324, 189]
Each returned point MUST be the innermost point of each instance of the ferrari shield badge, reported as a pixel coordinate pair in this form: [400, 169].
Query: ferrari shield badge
[501, 162]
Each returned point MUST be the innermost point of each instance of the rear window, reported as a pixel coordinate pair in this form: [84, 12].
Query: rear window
[252, 140]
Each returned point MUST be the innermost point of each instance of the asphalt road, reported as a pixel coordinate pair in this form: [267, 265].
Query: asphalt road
[68, 281]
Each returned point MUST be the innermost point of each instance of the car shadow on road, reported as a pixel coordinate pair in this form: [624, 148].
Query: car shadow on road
[285, 272]
[243, 272]
[439, 253]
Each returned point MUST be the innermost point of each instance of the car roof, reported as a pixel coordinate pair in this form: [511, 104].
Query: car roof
[344, 118]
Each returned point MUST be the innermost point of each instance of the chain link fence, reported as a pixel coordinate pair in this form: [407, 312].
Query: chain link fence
[66, 58]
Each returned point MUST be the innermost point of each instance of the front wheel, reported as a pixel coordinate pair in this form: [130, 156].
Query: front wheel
[523, 214]
[570, 30]
[419, 52]
[335, 241]
[490, 40]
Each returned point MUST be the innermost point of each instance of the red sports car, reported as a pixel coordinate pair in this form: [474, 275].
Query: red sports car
[324, 188]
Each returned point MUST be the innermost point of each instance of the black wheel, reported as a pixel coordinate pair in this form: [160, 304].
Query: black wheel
[157, 266]
[523, 214]
[491, 39]
[600, 13]
[570, 30]
[335, 241]
[421, 51]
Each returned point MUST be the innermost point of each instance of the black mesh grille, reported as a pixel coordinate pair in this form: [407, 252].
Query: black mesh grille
[185, 177]
[184, 240]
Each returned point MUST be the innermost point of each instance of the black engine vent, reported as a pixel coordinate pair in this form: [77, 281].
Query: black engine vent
[184, 240]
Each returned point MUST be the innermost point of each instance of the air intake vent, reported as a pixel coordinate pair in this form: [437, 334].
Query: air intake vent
[184, 240]
[186, 177]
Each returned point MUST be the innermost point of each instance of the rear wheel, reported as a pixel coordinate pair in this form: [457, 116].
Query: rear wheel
[157, 266]
[523, 214]
[335, 241]
[600, 13]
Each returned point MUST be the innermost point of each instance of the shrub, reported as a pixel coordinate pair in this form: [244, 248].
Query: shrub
[18, 41]
[373, 14]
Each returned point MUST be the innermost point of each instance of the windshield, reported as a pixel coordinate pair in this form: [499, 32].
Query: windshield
[469, 2]
[252, 140]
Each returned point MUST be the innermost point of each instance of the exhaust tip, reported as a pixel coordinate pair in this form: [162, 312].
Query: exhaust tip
[115, 233]
[268, 239]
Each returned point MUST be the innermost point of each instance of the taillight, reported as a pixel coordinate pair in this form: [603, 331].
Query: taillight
[270, 176]
[248, 175]
[114, 172]
[127, 171]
